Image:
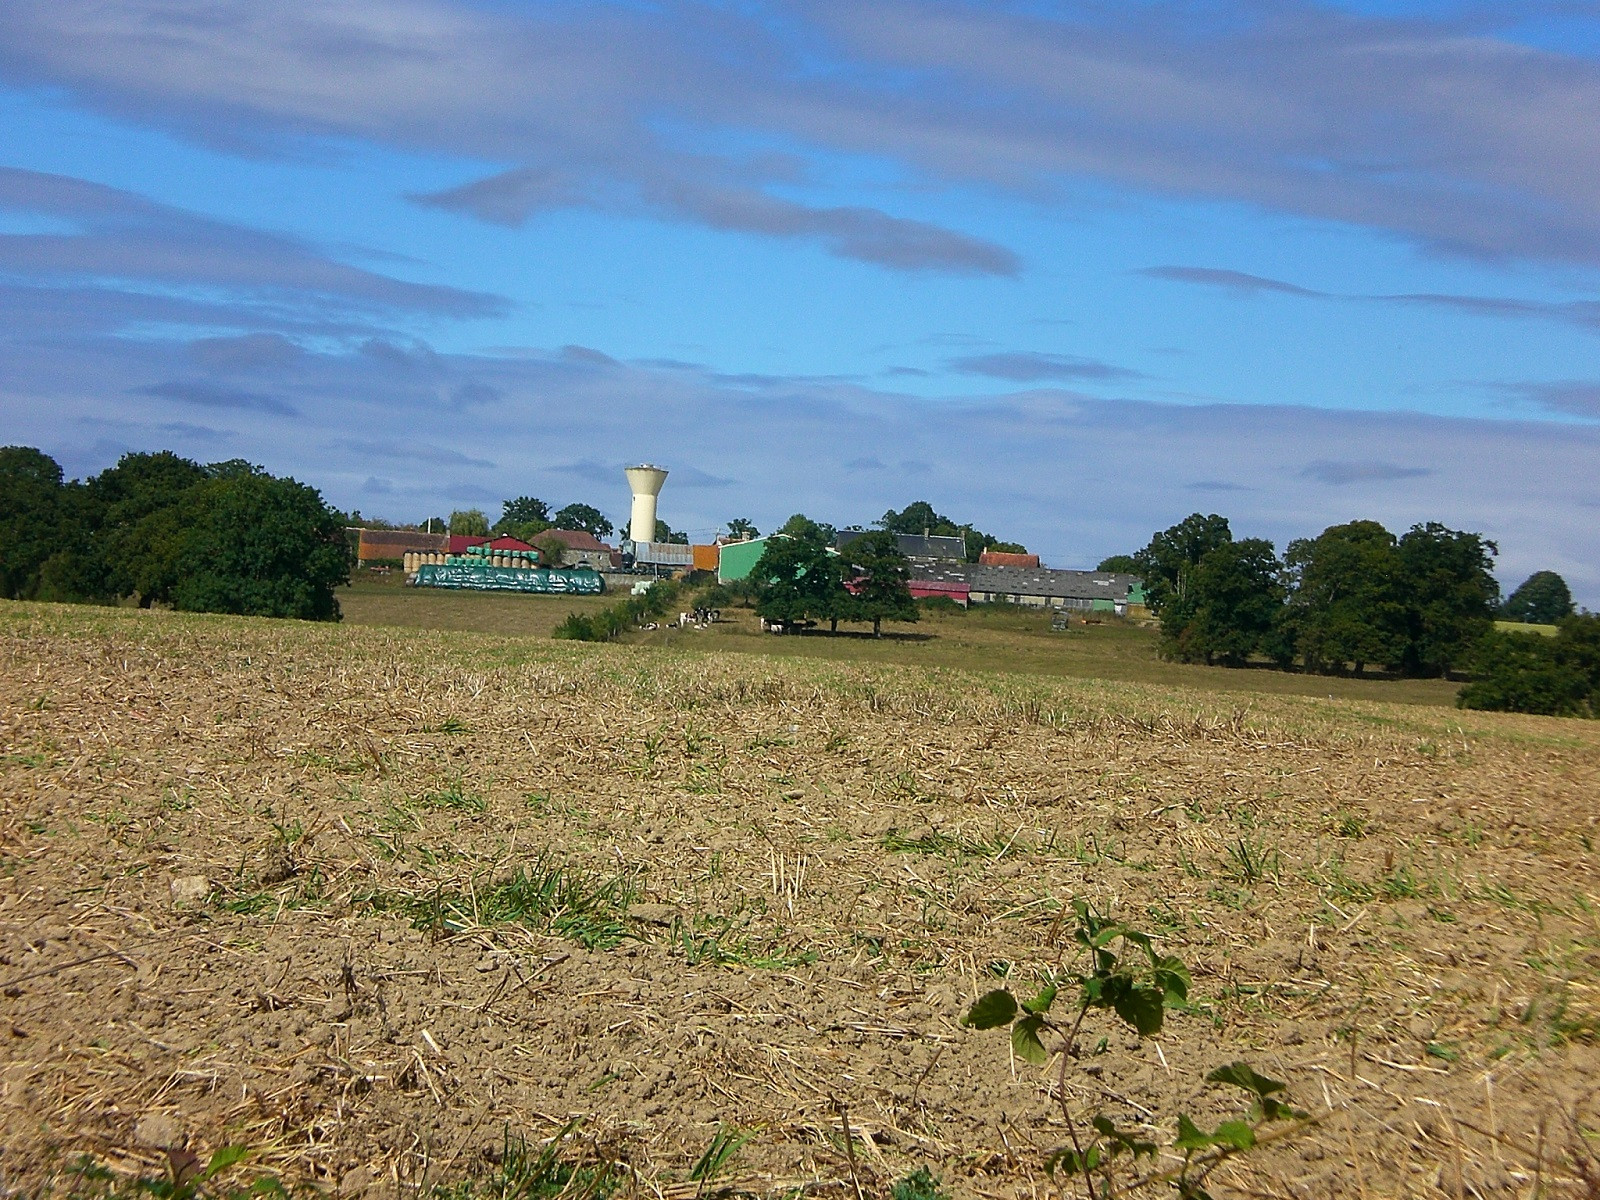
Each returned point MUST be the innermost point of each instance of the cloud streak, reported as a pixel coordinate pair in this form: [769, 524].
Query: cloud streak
[1584, 313]
[1031, 367]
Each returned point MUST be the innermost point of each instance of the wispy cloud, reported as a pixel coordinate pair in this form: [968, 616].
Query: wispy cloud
[1030, 367]
[1576, 397]
[1585, 313]
[210, 395]
[120, 236]
[1233, 281]
[1340, 473]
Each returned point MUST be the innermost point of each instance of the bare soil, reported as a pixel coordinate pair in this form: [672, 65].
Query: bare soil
[254, 891]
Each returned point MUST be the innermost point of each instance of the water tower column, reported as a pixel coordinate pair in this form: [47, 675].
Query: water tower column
[645, 481]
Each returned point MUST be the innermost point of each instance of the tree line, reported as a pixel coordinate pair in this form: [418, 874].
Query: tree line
[1422, 604]
[159, 529]
[1352, 597]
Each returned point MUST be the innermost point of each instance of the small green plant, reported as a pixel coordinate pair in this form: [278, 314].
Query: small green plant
[1252, 860]
[919, 1185]
[187, 1178]
[454, 798]
[1127, 977]
[725, 1143]
[528, 1172]
[549, 897]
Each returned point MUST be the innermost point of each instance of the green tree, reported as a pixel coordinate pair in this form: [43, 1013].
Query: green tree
[1348, 602]
[31, 515]
[552, 550]
[260, 546]
[1542, 599]
[668, 535]
[802, 526]
[1234, 596]
[1172, 554]
[1525, 673]
[741, 527]
[1450, 595]
[799, 580]
[879, 574]
[583, 517]
[522, 510]
[469, 522]
[1121, 564]
[139, 522]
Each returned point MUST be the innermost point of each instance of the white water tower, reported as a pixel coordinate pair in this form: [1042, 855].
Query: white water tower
[646, 481]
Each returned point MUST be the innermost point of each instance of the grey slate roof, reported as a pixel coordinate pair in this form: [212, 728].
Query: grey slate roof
[914, 545]
[1031, 581]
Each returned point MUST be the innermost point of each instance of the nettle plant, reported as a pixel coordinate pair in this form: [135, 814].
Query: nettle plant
[1125, 976]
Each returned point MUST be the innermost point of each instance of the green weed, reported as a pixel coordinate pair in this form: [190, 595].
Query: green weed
[559, 899]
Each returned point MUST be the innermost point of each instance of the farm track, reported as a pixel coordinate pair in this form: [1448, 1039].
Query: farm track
[362, 900]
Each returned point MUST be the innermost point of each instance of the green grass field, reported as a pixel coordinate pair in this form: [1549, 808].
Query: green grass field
[985, 638]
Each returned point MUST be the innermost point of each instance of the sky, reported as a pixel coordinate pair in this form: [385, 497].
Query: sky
[1068, 271]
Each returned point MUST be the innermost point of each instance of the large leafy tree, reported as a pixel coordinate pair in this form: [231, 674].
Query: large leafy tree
[526, 518]
[469, 522]
[138, 510]
[1233, 599]
[743, 527]
[1168, 563]
[31, 514]
[879, 577]
[1349, 603]
[1122, 564]
[1542, 599]
[583, 517]
[256, 545]
[1531, 673]
[800, 580]
[1450, 594]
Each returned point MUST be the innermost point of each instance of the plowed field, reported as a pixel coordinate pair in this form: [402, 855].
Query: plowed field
[369, 902]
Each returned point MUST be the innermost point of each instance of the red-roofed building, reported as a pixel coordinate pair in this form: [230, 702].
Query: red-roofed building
[460, 541]
[509, 543]
[999, 558]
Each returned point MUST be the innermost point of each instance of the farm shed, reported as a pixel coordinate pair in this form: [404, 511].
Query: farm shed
[706, 558]
[1082, 591]
[926, 589]
[736, 560]
[580, 548]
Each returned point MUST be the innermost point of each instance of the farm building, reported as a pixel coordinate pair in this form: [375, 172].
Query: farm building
[736, 560]
[579, 548]
[382, 544]
[706, 558]
[1041, 587]
[1000, 558]
[928, 589]
[918, 547]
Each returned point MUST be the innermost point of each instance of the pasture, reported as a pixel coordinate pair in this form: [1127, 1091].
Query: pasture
[369, 902]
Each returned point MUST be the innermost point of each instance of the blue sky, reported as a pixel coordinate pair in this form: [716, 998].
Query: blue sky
[1069, 271]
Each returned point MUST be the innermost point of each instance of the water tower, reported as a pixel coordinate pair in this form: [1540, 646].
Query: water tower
[646, 481]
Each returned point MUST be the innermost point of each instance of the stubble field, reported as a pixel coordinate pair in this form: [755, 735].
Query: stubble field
[367, 902]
